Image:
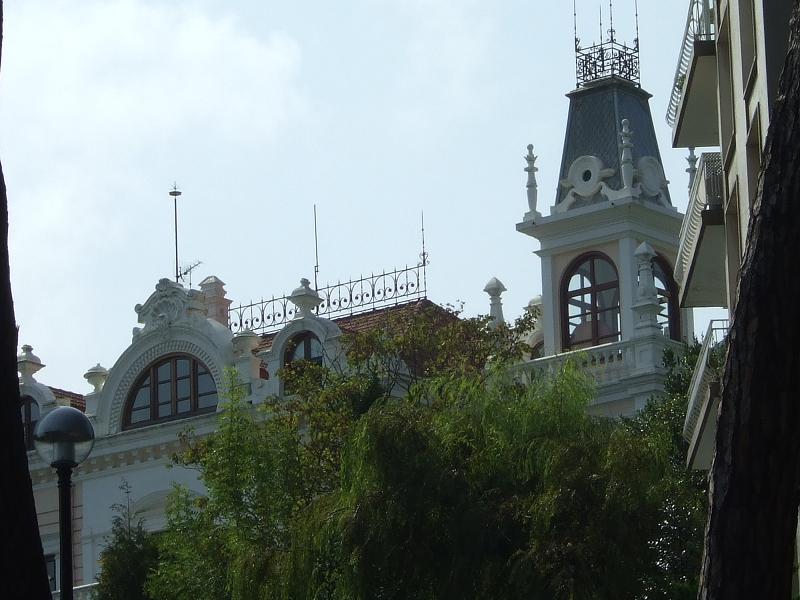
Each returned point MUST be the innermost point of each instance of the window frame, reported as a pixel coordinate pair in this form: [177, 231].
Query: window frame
[151, 373]
[306, 338]
[671, 294]
[593, 290]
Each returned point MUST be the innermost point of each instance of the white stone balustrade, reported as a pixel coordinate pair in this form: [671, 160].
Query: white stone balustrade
[611, 365]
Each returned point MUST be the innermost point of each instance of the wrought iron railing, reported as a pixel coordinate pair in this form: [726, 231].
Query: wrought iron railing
[700, 26]
[708, 367]
[706, 193]
[606, 59]
[352, 297]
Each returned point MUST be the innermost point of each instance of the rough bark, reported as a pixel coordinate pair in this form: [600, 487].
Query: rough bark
[749, 548]
[22, 569]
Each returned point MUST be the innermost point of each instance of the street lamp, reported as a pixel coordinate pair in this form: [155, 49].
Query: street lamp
[64, 439]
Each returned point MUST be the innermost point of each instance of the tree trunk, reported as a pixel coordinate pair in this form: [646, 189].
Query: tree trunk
[22, 570]
[750, 536]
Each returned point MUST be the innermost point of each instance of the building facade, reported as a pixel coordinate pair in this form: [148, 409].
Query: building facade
[729, 65]
[608, 247]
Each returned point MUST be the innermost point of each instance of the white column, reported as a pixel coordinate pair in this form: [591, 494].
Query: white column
[550, 308]
[627, 268]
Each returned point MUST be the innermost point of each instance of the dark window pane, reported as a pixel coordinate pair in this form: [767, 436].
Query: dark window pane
[164, 392]
[608, 323]
[205, 384]
[184, 389]
[182, 366]
[142, 398]
[315, 350]
[141, 414]
[165, 372]
[603, 272]
[608, 299]
[207, 401]
[165, 410]
[184, 406]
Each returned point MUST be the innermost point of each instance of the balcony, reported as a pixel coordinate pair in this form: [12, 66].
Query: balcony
[692, 111]
[700, 266]
[627, 373]
[700, 426]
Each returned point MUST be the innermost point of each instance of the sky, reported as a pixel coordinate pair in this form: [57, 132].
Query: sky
[375, 111]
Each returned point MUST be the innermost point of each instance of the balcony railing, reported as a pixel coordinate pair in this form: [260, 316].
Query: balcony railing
[700, 27]
[705, 194]
[707, 370]
[608, 363]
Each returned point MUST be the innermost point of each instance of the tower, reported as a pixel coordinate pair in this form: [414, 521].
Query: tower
[611, 231]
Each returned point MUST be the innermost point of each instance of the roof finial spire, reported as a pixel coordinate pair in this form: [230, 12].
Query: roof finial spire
[611, 32]
[575, 26]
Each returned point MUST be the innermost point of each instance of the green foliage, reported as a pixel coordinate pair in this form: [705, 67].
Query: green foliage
[436, 477]
[128, 557]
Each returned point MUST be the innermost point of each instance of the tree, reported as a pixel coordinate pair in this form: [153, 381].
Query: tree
[128, 557]
[495, 490]
[470, 485]
[23, 571]
[752, 525]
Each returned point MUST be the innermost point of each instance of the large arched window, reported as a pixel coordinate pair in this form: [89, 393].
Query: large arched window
[669, 316]
[172, 387]
[303, 346]
[589, 302]
[30, 416]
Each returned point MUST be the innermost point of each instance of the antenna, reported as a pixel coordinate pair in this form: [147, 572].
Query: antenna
[316, 249]
[636, 9]
[611, 31]
[175, 193]
[188, 271]
[424, 257]
[600, 41]
[575, 25]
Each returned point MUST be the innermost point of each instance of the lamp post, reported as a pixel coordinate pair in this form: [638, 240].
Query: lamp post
[64, 439]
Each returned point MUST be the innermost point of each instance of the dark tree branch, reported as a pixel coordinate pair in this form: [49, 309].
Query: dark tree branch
[22, 570]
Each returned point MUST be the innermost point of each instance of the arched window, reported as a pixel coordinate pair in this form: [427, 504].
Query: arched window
[173, 387]
[589, 302]
[537, 351]
[669, 317]
[30, 416]
[303, 346]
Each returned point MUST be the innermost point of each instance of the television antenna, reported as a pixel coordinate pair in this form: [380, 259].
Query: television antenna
[187, 270]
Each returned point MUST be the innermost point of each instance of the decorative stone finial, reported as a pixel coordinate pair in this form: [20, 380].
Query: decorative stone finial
[495, 288]
[692, 168]
[305, 299]
[532, 188]
[626, 161]
[647, 306]
[28, 363]
[96, 376]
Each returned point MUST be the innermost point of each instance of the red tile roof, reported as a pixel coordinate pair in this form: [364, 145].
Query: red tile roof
[75, 400]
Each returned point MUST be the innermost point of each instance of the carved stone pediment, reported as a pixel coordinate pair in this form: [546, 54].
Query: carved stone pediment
[584, 179]
[169, 305]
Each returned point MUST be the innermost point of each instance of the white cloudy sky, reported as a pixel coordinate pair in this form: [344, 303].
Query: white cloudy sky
[375, 110]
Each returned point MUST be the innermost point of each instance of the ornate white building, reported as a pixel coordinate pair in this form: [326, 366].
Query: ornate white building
[609, 246]
[608, 249]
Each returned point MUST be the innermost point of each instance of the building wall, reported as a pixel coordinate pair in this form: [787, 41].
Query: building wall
[751, 47]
